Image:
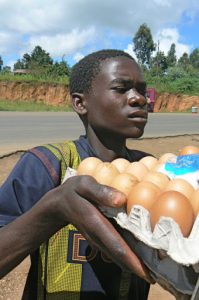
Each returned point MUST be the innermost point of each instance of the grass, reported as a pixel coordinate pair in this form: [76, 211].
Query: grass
[31, 106]
[34, 79]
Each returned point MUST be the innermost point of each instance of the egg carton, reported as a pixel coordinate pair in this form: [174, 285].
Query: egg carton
[172, 259]
[167, 235]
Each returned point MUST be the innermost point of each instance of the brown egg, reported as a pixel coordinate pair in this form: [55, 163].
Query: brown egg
[149, 161]
[105, 172]
[137, 169]
[167, 157]
[88, 165]
[180, 185]
[176, 206]
[160, 179]
[195, 201]
[158, 167]
[189, 150]
[124, 182]
[121, 164]
[144, 193]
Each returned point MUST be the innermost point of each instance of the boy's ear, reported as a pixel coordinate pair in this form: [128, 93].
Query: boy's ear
[79, 103]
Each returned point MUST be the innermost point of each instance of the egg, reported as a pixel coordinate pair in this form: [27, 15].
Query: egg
[176, 206]
[195, 202]
[137, 169]
[88, 165]
[149, 161]
[160, 179]
[121, 164]
[189, 150]
[158, 167]
[105, 172]
[124, 182]
[180, 185]
[171, 157]
[144, 193]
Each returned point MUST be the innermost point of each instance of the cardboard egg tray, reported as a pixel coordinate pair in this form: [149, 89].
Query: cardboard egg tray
[172, 259]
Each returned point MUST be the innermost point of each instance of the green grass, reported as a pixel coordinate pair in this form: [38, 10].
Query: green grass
[34, 79]
[30, 106]
[184, 86]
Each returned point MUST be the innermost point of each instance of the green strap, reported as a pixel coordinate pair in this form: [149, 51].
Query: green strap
[66, 153]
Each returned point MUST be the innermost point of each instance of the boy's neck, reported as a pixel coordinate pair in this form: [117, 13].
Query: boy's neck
[107, 148]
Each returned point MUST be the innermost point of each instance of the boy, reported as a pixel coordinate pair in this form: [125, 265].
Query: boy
[109, 95]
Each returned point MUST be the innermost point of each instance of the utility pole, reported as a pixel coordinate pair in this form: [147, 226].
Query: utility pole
[158, 58]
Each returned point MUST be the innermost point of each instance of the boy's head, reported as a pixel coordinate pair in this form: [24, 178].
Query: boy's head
[108, 93]
[87, 68]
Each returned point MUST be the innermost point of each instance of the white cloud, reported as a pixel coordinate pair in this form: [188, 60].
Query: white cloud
[69, 27]
[62, 44]
[163, 2]
[130, 51]
[166, 37]
[11, 63]
[78, 56]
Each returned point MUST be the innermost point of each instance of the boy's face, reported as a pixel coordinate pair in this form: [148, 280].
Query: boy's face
[116, 104]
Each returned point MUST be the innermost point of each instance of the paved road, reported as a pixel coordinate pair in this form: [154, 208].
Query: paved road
[20, 130]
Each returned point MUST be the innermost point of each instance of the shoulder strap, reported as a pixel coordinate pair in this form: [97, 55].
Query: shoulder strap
[66, 153]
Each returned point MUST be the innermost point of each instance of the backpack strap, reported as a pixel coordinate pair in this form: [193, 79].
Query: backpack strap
[65, 152]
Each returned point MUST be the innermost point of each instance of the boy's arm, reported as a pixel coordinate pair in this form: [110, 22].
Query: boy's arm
[73, 202]
[25, 234]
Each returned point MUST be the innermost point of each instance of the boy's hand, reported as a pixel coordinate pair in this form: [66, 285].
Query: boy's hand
[76, 203]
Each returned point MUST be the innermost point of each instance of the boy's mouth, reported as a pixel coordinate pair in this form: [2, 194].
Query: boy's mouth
[139, 116]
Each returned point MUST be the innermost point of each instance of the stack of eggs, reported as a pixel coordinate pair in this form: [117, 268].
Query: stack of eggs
[143, 184]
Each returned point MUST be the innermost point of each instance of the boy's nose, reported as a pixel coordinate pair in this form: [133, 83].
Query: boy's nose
[134, 97]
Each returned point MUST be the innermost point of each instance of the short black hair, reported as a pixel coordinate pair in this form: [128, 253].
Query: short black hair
[88, 67]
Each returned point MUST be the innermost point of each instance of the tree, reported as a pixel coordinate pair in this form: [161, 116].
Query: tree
[1, 63]
[171, 56]
[26, 61]
[59, 69]
[184, 61]
[19, 65]
[194, 58]
[39, 57]
[40, 63]
[159, 63]
[36, 61]
[143, 45]
[6, 69]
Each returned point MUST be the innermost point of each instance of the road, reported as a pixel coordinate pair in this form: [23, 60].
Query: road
[20, 130]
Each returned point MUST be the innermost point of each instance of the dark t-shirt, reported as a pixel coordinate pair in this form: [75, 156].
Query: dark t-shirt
[37, 172]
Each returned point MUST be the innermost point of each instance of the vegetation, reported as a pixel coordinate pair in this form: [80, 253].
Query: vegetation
[8, 76]
[163, 71]
[37, 66]
[143, 45]
[30, 106]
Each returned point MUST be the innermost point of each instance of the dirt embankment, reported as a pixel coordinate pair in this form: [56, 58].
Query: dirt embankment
[169, 103]
[50, 94]
[57, 94]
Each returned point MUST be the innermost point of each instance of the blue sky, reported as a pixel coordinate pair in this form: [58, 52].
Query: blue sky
[70, 29]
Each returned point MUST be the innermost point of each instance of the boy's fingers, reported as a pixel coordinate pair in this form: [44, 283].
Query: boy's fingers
[106, 238]
[89, 189]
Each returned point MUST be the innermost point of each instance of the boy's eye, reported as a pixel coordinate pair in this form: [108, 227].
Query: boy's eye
[120, 89]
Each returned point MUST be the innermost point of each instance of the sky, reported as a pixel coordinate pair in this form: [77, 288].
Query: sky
[71, 29]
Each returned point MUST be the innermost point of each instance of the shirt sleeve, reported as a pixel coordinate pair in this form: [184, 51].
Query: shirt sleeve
[27, 183]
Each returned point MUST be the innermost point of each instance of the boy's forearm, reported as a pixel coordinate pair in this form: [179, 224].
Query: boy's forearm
[24, 235]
